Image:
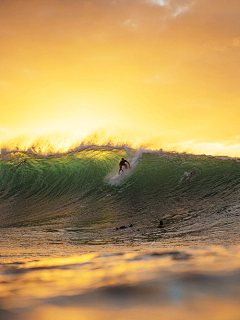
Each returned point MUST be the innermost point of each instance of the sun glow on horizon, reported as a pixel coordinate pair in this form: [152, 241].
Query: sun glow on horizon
[161, 73]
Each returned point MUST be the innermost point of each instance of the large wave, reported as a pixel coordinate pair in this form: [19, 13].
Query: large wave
[82, 189]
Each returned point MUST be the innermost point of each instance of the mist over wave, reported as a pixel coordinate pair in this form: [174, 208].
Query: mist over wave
[57, 143]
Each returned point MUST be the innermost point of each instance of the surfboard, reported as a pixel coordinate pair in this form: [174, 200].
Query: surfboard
[115, 178]
[117, 175]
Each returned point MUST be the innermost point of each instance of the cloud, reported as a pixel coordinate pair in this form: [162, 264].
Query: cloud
[161, 3]
[174, 7]
[129, 23]
[179, 10]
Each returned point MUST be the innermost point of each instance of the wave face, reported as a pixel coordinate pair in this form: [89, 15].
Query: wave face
[196, 195]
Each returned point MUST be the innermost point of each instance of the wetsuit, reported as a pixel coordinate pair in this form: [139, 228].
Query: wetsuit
[123, 163]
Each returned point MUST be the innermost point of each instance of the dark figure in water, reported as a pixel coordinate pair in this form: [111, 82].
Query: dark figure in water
[161, 225]
[123, 163]
[124, 227]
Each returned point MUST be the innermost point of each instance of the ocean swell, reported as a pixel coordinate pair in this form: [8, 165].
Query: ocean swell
[82, 188]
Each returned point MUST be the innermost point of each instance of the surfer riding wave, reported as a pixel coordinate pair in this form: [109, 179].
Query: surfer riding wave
[123, 163]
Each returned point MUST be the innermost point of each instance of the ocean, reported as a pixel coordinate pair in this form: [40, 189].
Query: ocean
[80, 241]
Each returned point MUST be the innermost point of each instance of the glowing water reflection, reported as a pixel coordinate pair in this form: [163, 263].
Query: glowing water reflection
[177, 284]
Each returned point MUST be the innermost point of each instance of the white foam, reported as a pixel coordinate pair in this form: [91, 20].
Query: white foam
[114, 178]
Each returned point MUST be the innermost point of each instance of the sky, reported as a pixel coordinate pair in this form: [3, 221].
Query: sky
[163, 73]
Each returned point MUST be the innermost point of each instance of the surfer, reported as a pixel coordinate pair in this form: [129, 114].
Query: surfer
[188, 176]
[123, 163]
[191, 174]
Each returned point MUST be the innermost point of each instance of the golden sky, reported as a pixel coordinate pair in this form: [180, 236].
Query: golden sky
[166, 71]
